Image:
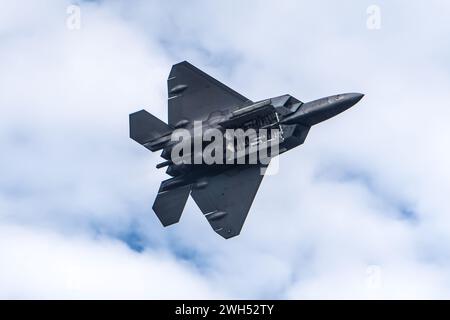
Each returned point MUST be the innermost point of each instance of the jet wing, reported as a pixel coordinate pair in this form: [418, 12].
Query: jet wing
[193, 94]
[227, 197]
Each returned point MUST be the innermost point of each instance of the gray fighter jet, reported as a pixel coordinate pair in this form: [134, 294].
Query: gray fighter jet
[224, 191]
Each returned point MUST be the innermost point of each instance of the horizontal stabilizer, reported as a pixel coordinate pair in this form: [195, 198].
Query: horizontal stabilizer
[145, 127]
[169, 204]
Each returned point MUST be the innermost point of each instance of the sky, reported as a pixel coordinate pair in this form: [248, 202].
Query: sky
[360, 211]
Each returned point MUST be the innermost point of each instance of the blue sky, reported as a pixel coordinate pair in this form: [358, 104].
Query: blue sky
[361, 210]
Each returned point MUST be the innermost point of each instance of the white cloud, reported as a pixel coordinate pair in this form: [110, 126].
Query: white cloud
[42, 264]
[337, 205]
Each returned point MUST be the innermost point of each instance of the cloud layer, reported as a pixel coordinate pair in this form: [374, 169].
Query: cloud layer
[359, 211]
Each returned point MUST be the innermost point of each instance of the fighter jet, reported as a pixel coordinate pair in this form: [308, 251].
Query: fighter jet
[224, 191]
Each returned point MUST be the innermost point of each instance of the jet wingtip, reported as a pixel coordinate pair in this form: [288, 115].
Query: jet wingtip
[184, 62]
[227, 233]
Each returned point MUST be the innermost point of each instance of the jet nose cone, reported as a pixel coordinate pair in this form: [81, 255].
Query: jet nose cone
[316, 111]
[354, 98]
[344, 101]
